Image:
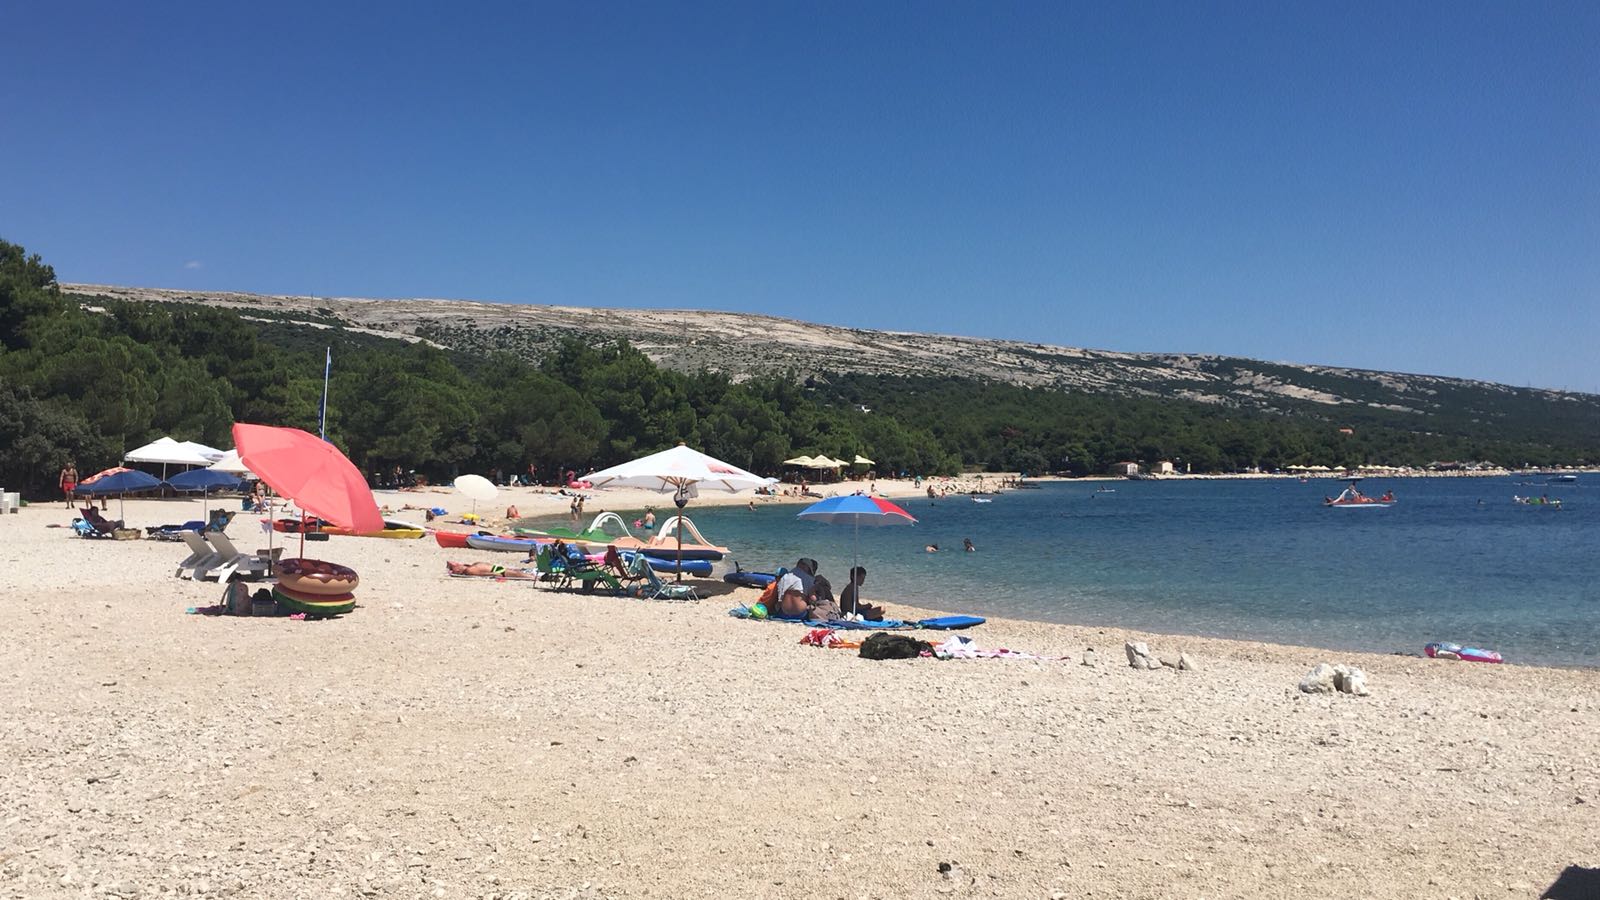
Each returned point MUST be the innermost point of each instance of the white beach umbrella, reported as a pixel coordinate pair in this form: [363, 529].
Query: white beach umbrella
[475, 488]
[682, 470]
[230, 462]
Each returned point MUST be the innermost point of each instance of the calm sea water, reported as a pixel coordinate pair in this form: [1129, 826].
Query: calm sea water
[1238, 559]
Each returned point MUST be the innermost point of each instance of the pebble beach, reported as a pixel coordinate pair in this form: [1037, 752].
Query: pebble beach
[500, 739]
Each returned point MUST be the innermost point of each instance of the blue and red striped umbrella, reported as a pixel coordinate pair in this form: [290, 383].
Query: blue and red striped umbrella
[857, 510]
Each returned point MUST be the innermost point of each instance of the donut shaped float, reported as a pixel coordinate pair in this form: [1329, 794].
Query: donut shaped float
[314, 576]
[313, 604]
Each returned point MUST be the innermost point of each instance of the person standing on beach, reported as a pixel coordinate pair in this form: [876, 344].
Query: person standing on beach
[69, 481]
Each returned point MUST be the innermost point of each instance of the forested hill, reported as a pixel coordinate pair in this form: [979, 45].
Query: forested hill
[448, 387]
[743, 345]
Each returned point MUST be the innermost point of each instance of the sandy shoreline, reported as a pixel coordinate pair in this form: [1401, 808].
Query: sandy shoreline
[475, 739]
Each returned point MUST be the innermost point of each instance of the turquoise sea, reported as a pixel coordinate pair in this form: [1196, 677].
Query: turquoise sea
[1454, 560]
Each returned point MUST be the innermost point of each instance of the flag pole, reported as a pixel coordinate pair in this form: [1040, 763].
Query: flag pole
[322, 415]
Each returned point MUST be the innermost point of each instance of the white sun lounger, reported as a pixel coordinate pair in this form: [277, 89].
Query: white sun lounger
[234, 562]
[200, 559]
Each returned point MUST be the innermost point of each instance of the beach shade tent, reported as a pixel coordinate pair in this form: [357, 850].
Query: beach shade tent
[205, 481]
[311, 472]
[682, 470]
[475, 488]
[120, 482]
[856, 510]
[231, 464]
[167, 451]
[862, 461]
[805, 462]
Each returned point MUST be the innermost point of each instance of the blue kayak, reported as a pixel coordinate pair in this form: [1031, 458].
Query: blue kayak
[502, 544]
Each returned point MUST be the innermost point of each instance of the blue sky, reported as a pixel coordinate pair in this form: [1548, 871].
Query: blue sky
[1379, 185]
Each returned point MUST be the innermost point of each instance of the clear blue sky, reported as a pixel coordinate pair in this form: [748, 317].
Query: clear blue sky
[1370, 184]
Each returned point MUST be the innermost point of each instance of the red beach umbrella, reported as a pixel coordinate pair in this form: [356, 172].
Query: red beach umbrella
[311, 472]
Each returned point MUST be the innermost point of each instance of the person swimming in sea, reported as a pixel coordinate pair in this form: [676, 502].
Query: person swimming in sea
[932, 548]
[966, 544]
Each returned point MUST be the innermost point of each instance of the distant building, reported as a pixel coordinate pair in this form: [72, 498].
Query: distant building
[1125, 469]
[1163, 468]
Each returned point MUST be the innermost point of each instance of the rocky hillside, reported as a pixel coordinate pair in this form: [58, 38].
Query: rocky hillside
[744, 345]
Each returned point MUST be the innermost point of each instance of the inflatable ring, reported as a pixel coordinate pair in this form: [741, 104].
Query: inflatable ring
[313, 604]
[314, 576]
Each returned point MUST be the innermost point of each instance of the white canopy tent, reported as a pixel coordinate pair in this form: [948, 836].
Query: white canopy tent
[170, 452]
[167, 451]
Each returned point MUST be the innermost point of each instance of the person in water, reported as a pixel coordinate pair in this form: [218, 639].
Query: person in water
[932, 548]
[966, 544]
[649, 518]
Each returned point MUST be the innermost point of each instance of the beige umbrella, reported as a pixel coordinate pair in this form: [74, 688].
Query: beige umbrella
[863, 461]
[805, 461]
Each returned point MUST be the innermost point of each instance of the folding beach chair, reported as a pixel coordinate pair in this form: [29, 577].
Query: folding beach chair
[99, 526]
[654, 588]
[201, 556]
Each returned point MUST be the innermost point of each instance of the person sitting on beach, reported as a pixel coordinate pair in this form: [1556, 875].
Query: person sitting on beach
[820, 604]
[850, 601]
[487, 570]
[512, 514]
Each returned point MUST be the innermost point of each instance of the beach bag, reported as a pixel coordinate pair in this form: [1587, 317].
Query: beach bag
[769, 595]
[882, 645]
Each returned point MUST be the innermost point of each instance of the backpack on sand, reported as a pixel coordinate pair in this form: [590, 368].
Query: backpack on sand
[882, 645]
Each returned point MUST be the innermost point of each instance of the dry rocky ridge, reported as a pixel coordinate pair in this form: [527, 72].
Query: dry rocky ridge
[743, 344]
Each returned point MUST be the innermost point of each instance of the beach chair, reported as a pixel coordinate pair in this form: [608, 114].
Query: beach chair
[545, 564]
[574, 567]
[99, 526]
[202, 556]
[653, 588]
[232, 561]
[624, 573]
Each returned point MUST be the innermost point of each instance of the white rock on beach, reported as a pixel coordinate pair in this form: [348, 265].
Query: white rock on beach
[1140, 657]
[1327, 678]
[1350, 680]
[1319, 680]
[1186, 663]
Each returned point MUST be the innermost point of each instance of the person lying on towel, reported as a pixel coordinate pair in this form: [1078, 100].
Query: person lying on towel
[489, 570]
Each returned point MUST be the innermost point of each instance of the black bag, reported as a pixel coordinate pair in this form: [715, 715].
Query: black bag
[881, 645]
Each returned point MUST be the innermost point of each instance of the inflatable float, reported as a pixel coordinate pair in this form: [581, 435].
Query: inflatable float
[315, 605]
[690, 566]
[1447, 650]
[750, 579]
[315, 577]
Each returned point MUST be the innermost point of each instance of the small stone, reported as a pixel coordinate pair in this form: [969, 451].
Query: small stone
[1186, 663]
[1089, 658]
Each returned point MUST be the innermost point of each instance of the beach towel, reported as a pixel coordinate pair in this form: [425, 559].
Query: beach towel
[962, 647]
[743, 612]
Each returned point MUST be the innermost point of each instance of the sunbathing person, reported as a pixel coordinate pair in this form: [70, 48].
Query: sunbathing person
[488, 570]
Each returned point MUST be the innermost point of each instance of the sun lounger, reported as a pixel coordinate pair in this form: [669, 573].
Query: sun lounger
[234, 562]
[202, 556]
[99, 526]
